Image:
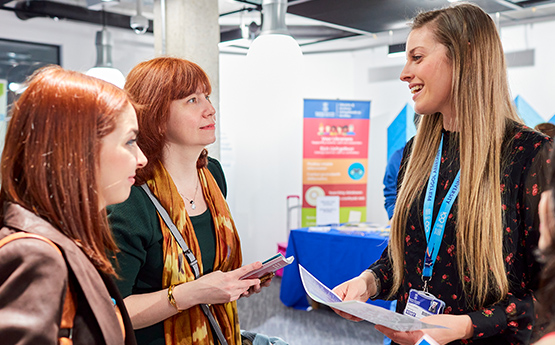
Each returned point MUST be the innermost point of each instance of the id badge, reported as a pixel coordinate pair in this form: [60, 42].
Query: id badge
[421, 304]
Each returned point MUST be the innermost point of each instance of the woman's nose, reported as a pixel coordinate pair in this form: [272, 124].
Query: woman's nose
[210, 110]
[141, 159]
[406, 74]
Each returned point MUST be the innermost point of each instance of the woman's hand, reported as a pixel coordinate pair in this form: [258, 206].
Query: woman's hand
[359, 289]
[458, 327]
[214, 288]
[219, 287]
[264, 282]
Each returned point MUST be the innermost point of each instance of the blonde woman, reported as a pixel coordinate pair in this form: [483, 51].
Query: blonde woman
[465, 225]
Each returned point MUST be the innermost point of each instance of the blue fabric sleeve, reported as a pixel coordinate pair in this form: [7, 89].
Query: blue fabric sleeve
[390, 181]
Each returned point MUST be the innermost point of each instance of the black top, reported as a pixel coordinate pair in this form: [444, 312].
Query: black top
[525, 157]
[140, 263]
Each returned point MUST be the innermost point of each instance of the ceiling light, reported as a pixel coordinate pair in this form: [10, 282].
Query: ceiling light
[274, 41]
[17, 88]
[103, 68]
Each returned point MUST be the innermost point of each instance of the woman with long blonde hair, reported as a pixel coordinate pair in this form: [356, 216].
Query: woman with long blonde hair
[465, 224]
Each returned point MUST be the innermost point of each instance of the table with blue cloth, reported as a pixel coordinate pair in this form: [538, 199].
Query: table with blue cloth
[332, 257]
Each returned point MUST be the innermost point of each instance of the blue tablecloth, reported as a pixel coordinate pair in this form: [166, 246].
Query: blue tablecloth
[332, 257]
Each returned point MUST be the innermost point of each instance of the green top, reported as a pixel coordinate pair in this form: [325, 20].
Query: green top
[136, 228]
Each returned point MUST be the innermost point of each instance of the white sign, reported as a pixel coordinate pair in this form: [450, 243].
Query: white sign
[327, 210]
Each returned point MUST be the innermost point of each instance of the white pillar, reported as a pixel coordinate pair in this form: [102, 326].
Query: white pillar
[189, 29]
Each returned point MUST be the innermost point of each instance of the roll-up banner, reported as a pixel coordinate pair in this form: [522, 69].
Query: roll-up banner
[335, 157]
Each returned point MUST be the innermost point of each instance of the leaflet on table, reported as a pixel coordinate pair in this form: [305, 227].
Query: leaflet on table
[366, 227]
[269, 266]
[377, 315]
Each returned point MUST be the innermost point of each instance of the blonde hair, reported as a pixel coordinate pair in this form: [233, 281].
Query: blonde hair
[482, 107]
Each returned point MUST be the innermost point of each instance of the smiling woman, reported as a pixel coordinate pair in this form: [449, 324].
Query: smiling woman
[62, 145]
[429, 73]
[465, 225]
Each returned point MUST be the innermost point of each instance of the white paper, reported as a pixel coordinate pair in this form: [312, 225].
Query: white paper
[327, 210]
[319, 228]
[354, 216]
[371, 313]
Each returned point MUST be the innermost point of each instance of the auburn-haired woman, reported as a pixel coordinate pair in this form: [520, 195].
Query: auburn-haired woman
[163, 297]
[465, 224]
[69, 151]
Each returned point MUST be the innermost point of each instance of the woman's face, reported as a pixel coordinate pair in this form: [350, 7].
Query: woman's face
[429, 72]
[192, 121]
[547, 220]
[120, 157]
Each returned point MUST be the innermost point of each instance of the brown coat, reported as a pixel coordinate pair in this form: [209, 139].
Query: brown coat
[33, 281]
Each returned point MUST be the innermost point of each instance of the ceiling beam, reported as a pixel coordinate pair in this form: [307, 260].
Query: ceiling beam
[25, 10]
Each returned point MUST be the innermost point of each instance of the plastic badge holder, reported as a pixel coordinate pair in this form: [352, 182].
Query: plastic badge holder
[427, 340]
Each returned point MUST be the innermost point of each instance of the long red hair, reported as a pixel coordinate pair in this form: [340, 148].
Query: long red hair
[153, 85]
[51, 155]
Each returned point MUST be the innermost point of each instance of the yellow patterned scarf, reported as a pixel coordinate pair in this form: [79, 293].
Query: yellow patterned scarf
[191, 326]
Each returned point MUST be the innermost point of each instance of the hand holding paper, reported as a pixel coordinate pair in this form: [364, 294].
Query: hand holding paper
[379, 316]
[357, 289]
[456, 327]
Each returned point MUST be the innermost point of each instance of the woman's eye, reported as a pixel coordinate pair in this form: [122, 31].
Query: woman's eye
[416, 57]
[192, 100]
[132, 141]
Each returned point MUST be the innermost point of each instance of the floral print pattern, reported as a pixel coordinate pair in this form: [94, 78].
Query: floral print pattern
[510, 321]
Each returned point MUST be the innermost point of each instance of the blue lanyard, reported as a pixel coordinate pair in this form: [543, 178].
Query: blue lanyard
[434, 237]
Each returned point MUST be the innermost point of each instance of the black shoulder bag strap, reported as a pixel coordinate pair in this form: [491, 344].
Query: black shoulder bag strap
[190, 258]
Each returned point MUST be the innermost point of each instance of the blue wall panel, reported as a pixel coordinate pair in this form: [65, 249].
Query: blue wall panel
[401, 130]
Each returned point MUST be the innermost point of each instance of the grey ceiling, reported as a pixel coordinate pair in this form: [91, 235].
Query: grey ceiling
[349, 17]
[381, 15]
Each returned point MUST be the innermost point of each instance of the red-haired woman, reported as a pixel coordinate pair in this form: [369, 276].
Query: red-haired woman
[70, 150]
[161, 293]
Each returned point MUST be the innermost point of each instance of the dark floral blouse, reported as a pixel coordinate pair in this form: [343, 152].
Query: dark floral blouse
[525, 158]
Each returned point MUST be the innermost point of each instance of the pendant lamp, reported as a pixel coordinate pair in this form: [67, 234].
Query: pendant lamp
[103, 68]
[274, 42]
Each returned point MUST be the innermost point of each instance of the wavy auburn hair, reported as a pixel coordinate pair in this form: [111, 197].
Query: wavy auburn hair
[51, 155]
[482, 108]
[153, 85]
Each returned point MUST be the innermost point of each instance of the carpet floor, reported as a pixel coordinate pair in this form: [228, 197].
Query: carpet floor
[264, 313]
